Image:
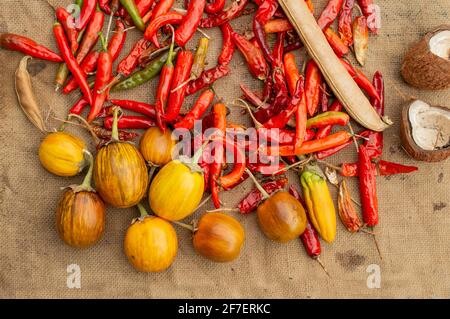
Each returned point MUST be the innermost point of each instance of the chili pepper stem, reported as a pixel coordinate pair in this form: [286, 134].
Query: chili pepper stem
[86, 185]
[353, 136]
[203, 33]
[113, 82]
[322, 265]
[86, 125]
[337, 168]
[218, 210]
[142, 211]
[191, 78]
[255, 121]
[299, 163]
[258, 185]
[377, 246]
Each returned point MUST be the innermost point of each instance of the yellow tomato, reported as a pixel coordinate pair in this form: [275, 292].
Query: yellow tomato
[151, 244]
[62, 154]
[176, 191]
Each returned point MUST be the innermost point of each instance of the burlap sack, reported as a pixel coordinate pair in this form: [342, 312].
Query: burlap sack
[414, 209]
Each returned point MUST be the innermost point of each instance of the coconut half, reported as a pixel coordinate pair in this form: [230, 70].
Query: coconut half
[427, 65]
[425, 131]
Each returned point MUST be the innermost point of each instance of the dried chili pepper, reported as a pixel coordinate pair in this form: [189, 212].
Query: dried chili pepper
[368, 188]
[133, 11]
[278, 51]
[68, 23]
[328, 118]
[336, 106]
[228, 46]
[301, 118]
[160, 21]
[161, 9]
[130, 62]
[324, 98]
[278, 25]
[367, 8]
[346, 209]
[251, 202]
[25, 45]
[79, 106]
[360, 79]
[90, 37]
[291, 71]
[207, 78]
[130, 122]
[135, 106]
[87, 11]
[338, 46]
[165, 83]
[220, 124]
[313, 81]
[190, 23]
[314, 146]
[90, 62]
[235, 175]
[360, 38]
[287, 137]
[385, 168]
[102, 77]
[181, 74]
[234, 11]
[199, 59]
[71, 62]
[329, 14]
[267, 169]
[264, 13]
[143, 76]
[199, 108]
[105, 134]
[335, 149]
[374, 144]
[345, 22]
[254, 56]
[215, 7]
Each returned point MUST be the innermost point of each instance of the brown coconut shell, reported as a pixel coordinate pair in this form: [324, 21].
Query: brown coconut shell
[423, 69]
[410, 145]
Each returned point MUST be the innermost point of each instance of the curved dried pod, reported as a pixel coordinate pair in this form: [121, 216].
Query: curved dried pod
[427, 64]
[425, 131]
[337, 77]
[26, 97]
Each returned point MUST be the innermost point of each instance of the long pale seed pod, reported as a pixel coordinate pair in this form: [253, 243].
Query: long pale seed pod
[25, 94]
[342, 84]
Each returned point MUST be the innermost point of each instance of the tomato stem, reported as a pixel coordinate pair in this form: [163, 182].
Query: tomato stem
[86, 185]
[189, 227]
[142, 210]
[258, 185]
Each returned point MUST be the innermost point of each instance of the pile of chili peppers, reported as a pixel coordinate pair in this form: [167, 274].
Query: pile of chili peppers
[300, 105]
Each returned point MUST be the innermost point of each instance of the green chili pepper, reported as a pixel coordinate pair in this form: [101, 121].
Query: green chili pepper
[133, 11]
[144, 75]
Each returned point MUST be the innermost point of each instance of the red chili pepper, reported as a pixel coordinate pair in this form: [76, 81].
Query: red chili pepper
[367, 8]
[228, 46]
[90, 62]
[190, 23]
[345, 22]
[281, 119]
[330, 13]
[138, 107]
[251, 202]
[162, 8]
[234, 176]
[264, 13]
[207, 78]
[254, 57]
[72, 64]
[338, 46]
[374, 145]
[68, 23]
[130, 122]
[87, 11]
[324, 97]
[267, 169]
[220, 123]
[313, 82]
[25, 45]
[278, 51]
[105, 134]
[367, 188]
[90, 37]
[385, 168]
[328, 118]
[309, 147]
[234, 11]
[360, 79]
[199, 108]
[181, 74]
[157, 23]
[287, 137]
[278, 25]
[102, 77]
[79, 106]
[215, 6]
[336, 106]
[252, 97]
[301, 118]
[162, 93]
[291, 71]
[335, 149]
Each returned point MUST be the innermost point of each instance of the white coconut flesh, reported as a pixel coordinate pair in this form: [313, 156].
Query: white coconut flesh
[430, 126]
[440, 44]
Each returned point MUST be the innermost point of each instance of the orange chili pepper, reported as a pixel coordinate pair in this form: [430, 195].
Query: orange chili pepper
[220, 123]
[346, 209]
[233, 177]
[301, 117]
[336, 43]
[313, 82]
[291, 71]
